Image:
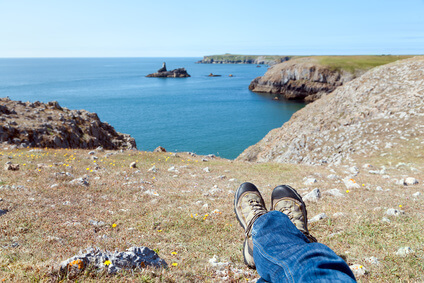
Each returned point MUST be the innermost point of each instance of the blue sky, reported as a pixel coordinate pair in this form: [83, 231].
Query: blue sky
[162, 28]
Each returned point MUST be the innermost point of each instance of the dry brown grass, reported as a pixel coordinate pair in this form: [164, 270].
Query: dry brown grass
[52, 224]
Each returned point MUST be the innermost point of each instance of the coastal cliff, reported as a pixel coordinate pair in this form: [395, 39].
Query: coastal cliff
[40, 124]
[244, 59]
[310, 78]
[375, 111]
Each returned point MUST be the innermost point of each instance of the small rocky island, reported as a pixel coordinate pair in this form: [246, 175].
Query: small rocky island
[163, 73]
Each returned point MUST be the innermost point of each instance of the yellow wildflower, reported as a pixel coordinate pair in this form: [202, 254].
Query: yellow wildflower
[174, 264]
[347, 191]
[114, 225]
[107, 262]
[174, 253]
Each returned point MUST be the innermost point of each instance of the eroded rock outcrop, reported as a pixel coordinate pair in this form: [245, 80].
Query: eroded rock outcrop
[164, 73]
[301, 79]
[376, 111]
[40, 124]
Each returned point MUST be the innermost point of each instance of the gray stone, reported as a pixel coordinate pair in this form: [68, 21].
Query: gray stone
[404, 251]
[206, 169]
[394, 212]
[334, 193]
[372, 260]
[2, 212]
[133, 164]
[134, 257]
[309, 181]
[96, 223]
[358, 270]
[318, 217]
[417, 194]
[411, 181]
[83, 181]
[153, 169]
[385, 219]
[314, 196]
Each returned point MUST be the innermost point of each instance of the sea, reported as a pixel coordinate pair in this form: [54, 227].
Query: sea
[199, 114]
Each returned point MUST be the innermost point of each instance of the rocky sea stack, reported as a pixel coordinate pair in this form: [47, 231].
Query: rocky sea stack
[38, 124]
[163, 73]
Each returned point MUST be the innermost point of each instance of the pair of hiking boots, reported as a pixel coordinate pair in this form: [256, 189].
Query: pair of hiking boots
[249, 206]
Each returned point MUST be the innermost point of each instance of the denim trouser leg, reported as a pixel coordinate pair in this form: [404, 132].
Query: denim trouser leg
[283, 254]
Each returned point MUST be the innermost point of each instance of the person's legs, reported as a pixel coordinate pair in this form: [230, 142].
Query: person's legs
[279, 242]
[283, 254]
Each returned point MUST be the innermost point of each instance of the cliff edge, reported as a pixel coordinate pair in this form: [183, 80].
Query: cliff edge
[40, 124]
[309, 78]
[380, 109]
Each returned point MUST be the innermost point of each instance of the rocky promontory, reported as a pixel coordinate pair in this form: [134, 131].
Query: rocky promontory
[310, 78]
[37, 124]
[164, 73]
[379, 110]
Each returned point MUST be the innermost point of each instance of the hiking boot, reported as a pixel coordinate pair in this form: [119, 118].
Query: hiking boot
[248, 206]
[285, 199]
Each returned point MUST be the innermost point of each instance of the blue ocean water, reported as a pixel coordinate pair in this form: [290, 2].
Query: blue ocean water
[201, 114]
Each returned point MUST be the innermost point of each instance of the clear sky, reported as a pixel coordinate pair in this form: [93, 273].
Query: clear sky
[162, 28]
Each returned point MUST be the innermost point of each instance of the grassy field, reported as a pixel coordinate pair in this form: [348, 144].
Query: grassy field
[186, 213]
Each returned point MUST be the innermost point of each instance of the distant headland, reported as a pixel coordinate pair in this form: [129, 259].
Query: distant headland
[244, 59]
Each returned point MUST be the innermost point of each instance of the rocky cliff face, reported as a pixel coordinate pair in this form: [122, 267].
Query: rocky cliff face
[49, 125]
[300, 79]
[381, 109]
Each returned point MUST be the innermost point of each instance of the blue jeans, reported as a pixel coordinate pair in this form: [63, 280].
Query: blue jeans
[283, 254]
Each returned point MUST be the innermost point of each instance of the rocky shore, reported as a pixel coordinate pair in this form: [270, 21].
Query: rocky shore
[37, 124]
[164, 73]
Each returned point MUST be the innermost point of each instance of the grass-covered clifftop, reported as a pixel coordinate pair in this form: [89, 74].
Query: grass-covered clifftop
[354, 63]
[185, 212]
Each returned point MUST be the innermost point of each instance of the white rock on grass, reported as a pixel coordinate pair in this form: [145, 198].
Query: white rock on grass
[372, 260]
[314, 196]
[334, 193]
[351, 184]
[134, 257]
[404, 251]
[385, 219]
[318, 217]
[417, 194]
[153, 169]
[339, 214]
[151, 193]
[411, 181]
[216, 264]
[358, 270]
[394, 212]
[206, 169]
[309, 181]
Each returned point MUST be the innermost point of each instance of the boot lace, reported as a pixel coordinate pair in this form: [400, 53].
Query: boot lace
[258, 210]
